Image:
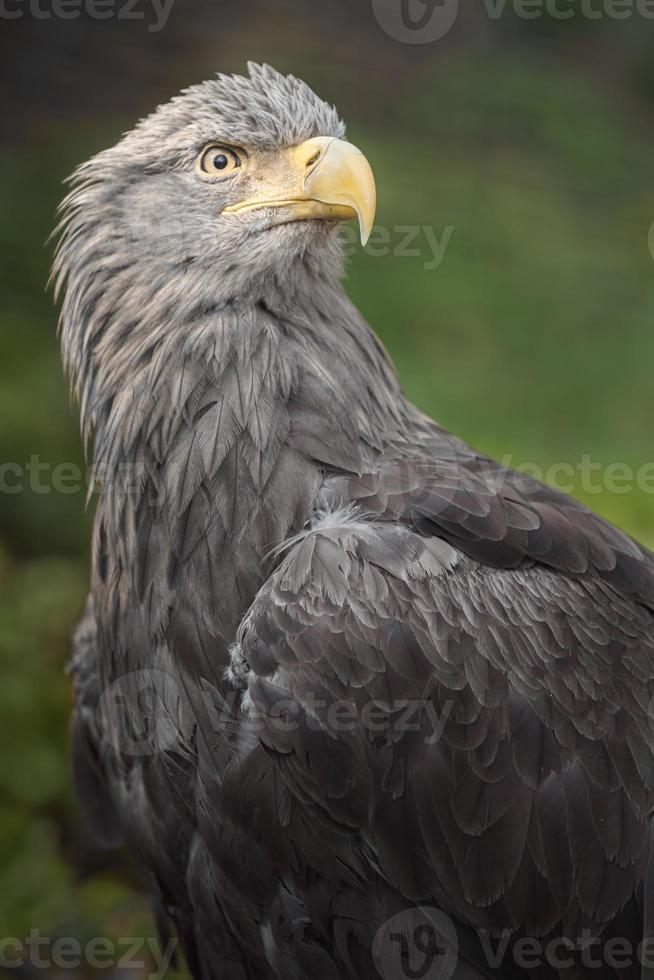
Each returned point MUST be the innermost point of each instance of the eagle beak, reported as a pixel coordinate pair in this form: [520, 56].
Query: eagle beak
[323, 178]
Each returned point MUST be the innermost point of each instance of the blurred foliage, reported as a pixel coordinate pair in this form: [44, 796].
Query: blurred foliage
[532, 338]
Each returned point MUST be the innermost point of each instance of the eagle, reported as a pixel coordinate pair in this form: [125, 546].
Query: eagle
[360, 701]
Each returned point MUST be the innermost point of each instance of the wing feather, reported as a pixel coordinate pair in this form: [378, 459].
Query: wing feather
[522, 790]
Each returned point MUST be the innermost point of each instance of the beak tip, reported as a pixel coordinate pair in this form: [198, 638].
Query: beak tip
[366, 225]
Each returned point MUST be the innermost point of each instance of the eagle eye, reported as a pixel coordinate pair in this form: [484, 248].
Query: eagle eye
[218, 161]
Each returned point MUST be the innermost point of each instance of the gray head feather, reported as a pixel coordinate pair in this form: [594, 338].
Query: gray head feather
[145, 248]
[168, 300]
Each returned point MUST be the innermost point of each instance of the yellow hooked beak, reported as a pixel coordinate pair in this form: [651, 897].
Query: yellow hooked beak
[323, 178]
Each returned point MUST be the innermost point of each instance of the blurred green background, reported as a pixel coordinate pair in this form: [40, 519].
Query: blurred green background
[529, 145]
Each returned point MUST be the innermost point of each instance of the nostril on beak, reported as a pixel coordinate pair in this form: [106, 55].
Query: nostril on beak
[313, 158]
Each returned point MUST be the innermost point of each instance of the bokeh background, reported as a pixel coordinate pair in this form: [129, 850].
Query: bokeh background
[528, 144]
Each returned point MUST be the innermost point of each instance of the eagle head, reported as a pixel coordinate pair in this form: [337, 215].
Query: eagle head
[226, 197]
[234, 175]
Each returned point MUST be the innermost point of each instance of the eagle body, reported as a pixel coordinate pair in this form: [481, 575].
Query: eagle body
[342, 683]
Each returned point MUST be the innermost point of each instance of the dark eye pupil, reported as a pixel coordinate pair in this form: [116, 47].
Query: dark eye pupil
[220, 161]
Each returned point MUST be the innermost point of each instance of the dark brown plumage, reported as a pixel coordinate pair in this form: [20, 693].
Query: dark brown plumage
[336, 667]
